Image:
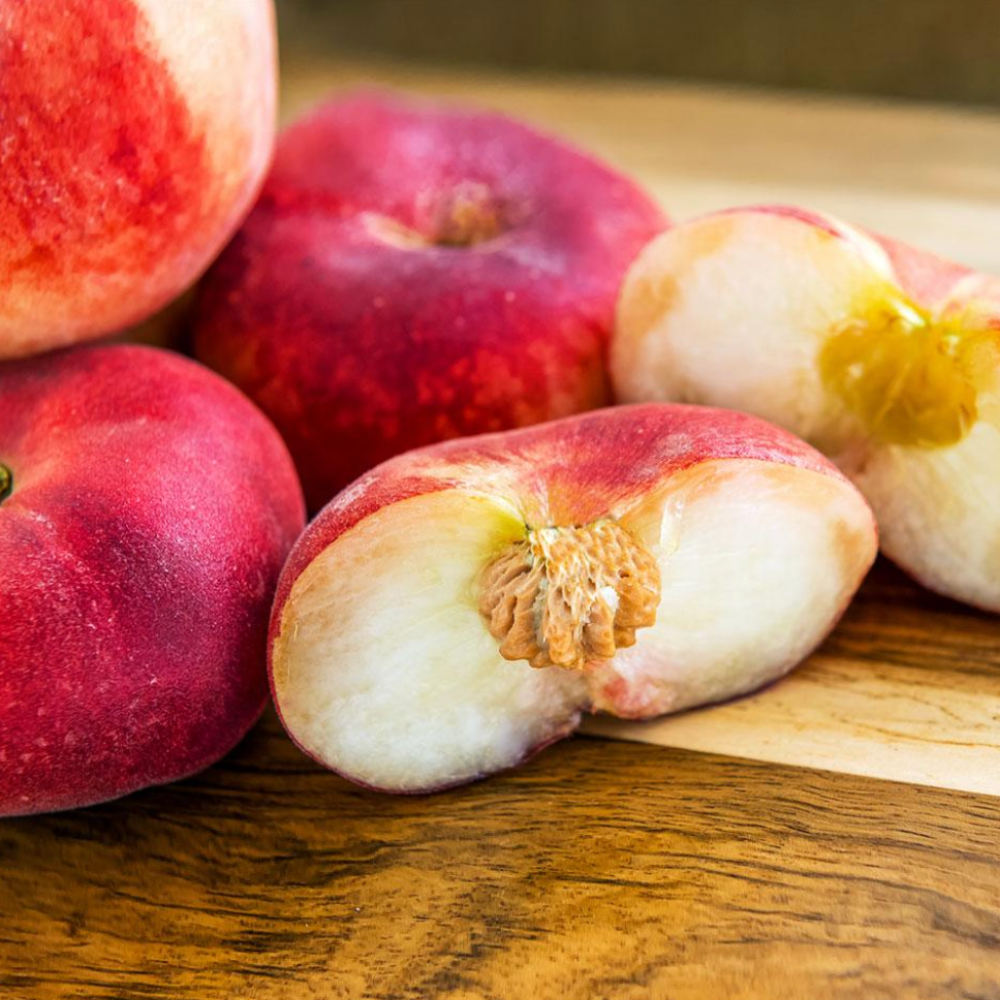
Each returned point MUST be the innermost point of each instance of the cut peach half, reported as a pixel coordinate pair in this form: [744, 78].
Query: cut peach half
[885, 358]
[461, 606]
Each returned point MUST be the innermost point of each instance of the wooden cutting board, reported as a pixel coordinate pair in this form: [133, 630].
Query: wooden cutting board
[908, 688]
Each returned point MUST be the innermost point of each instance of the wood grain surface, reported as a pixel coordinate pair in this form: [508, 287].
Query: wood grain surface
[602, 870]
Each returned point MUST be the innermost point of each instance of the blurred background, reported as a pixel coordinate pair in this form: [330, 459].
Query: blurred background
[942, 50]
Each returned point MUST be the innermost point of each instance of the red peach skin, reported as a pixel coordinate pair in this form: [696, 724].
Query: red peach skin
[146, 508]
[136, 134]
[415, 272]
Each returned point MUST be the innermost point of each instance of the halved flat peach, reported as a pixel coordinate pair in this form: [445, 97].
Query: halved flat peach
[885, 358]
[645, 559]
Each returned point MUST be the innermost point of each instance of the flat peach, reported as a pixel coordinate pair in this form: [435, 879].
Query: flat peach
[146, 508]
[462, 605]
[884, 357]
[415, 272]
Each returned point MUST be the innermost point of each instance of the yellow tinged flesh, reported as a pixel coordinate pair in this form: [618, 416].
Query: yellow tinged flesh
[910, 378]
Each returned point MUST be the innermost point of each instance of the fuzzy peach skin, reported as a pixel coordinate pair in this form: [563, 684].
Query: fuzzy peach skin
[135, 135]
[414, 272]
[723, 548]
[146, 508]
[885, 357]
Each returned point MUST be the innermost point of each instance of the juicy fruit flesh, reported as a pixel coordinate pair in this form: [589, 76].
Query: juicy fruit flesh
[938, 512]
[385, 669]
[566, 596]
[814, 330]
[910, 378]
[730, 311]
[757, 561]
[761, 312]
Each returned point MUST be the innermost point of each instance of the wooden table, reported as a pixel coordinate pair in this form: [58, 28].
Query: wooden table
[602, 869]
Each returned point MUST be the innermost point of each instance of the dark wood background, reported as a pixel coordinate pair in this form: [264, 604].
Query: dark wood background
[945, 50]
